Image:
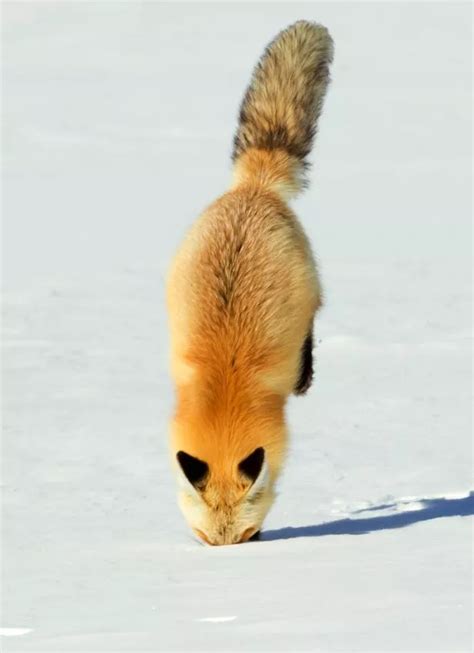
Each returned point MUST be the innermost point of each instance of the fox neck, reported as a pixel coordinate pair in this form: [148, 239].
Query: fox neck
[229, 417]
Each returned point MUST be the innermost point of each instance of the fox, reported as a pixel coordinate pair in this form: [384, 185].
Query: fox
[242, 294]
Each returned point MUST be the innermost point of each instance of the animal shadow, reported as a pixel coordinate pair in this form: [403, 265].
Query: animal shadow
[430, 509]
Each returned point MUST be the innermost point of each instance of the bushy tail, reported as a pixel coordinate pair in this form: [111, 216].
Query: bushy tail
[280, 110]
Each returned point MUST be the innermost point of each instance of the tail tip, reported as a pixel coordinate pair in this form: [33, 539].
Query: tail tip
[313, 30]
[280, 110]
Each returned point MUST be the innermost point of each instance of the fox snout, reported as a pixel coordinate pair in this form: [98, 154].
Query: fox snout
[229, 537]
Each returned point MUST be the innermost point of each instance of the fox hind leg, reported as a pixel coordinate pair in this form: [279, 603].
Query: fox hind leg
[306, 365]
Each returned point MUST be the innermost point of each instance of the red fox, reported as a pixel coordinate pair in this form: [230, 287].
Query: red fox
[242, 294]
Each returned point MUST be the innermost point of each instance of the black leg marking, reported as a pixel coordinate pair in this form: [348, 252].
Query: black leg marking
[306, 366]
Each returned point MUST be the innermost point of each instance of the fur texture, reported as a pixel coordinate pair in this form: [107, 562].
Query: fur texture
[281, 107]
[242, 294]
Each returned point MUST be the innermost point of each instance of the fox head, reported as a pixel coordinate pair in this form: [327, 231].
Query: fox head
[226, 474]
[229, 507]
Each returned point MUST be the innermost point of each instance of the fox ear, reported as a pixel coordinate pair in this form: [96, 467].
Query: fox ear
[252, 465]
[194, 469]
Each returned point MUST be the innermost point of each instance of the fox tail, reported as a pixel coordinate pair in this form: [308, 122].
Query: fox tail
[279, 113]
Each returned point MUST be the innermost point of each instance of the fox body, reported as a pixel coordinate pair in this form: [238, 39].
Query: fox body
[242, 293]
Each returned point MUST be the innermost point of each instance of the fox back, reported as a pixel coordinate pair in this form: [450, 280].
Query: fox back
[242, 293]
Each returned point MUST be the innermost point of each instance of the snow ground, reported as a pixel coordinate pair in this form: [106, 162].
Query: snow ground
[118, 119]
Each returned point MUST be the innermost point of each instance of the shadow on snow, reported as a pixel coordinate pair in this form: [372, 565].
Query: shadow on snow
[431, 509]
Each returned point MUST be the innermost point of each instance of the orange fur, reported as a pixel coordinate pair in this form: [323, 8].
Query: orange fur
[242, 294]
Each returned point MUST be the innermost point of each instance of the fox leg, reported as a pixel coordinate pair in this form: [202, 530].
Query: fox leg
[306, 365]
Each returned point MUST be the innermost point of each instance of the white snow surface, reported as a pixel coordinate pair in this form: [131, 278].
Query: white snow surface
[118, 120]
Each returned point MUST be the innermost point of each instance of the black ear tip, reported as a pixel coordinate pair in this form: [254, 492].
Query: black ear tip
[252, 465]
[194, 469]
[182, 456]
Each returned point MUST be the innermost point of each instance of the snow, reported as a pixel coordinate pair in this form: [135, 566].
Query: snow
[14, 632]
[118, 122]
